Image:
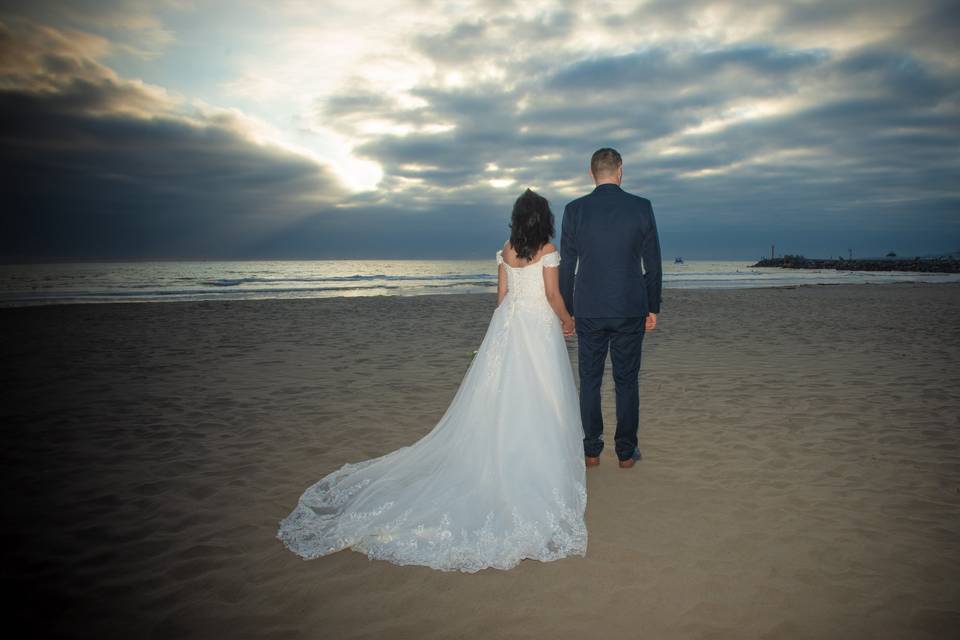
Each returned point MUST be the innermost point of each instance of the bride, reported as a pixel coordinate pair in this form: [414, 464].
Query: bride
[500, 477]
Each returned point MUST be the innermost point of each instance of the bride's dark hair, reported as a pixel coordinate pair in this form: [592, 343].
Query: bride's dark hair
[531, 225]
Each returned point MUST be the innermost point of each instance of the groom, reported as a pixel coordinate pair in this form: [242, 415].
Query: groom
[614, 300]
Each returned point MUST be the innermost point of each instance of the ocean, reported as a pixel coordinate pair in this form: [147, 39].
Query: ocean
[89, 282]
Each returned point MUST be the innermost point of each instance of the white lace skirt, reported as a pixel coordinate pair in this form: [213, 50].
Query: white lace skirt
[500, 477]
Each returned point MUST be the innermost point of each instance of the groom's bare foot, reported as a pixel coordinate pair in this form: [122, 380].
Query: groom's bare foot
[591, 461]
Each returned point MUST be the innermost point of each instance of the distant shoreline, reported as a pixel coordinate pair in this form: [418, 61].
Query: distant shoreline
[923, 265]
[181, 281]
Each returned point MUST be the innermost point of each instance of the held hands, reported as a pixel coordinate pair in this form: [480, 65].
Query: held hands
[651, 321]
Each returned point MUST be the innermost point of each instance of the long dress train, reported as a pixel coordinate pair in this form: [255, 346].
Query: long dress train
[499, 478]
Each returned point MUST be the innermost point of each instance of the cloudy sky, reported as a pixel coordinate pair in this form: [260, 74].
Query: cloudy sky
[311, 129]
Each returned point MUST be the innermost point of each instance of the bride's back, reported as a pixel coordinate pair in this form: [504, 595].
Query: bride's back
[526, 280]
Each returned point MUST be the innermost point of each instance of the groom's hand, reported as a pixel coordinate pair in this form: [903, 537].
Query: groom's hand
[651, 321]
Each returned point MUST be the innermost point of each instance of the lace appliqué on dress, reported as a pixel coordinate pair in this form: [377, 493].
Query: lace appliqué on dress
[562, 532]
[498, 345]
[551, 259]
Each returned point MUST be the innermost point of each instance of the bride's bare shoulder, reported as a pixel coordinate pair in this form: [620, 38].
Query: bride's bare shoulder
[544, 250]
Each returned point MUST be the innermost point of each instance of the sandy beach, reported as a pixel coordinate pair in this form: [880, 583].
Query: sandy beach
[801, 471]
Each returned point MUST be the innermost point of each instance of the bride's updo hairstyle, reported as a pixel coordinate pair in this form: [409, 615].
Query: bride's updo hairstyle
[531, 225]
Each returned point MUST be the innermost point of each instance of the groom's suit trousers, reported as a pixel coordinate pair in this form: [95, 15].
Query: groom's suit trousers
[623, 337]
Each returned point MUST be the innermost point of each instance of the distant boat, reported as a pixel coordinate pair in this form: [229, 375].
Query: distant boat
[678, 260]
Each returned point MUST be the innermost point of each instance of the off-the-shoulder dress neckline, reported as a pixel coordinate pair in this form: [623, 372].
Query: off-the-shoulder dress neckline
[537, 261]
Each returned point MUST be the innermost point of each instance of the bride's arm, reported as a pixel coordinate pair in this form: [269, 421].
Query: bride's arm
[551, 284]
[501, 274]
[501, 284]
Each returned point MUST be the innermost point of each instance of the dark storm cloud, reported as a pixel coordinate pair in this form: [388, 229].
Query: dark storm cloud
[467, 41]
[344, 105]
[904, 77]
[131, 25]
[97, 166]
[460, 44]
[658, 69]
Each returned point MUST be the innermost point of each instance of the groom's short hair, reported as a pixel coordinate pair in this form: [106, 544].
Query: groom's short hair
[605, 162]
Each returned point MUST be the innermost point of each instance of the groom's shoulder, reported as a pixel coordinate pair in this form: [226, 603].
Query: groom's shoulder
[578, 202]
[636, 198]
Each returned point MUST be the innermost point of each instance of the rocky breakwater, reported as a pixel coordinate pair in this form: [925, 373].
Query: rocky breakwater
[928, 265]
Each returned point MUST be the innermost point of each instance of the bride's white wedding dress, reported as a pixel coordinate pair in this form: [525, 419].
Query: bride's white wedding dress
[500, 477]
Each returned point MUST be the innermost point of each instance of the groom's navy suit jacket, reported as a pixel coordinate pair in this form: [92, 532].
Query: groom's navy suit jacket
[604, 237]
